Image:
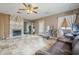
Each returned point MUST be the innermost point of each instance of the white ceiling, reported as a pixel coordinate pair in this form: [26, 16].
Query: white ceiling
[45, 9]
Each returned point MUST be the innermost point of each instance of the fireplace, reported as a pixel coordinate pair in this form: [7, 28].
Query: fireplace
[16, 32]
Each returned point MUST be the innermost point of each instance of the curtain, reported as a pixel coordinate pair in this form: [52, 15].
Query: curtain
[70, 19]
[60, 21]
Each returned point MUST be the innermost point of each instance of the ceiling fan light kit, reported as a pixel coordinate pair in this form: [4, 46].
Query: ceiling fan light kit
[29, 8]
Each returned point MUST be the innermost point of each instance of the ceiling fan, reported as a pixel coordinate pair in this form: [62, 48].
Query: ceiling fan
[29, 8]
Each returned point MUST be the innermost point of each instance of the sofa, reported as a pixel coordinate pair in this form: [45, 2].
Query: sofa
[62, 48]
[75, 46]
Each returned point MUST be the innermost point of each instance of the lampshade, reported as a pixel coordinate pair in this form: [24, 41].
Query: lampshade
[65, 23]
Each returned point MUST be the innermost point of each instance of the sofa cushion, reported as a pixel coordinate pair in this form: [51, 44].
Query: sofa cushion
[75, 50]
[60, 48]
[75, 41]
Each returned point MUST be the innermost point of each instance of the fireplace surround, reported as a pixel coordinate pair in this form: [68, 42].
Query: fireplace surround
[16, 27]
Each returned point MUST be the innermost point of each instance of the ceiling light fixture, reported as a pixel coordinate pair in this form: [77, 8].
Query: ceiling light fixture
[29, 8]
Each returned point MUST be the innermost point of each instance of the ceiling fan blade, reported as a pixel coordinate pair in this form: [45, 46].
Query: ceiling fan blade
[18, 12]
[24, 4]
[35, 12]
[28, 13]
[22, 9]
[29, 6]
[35, 8]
